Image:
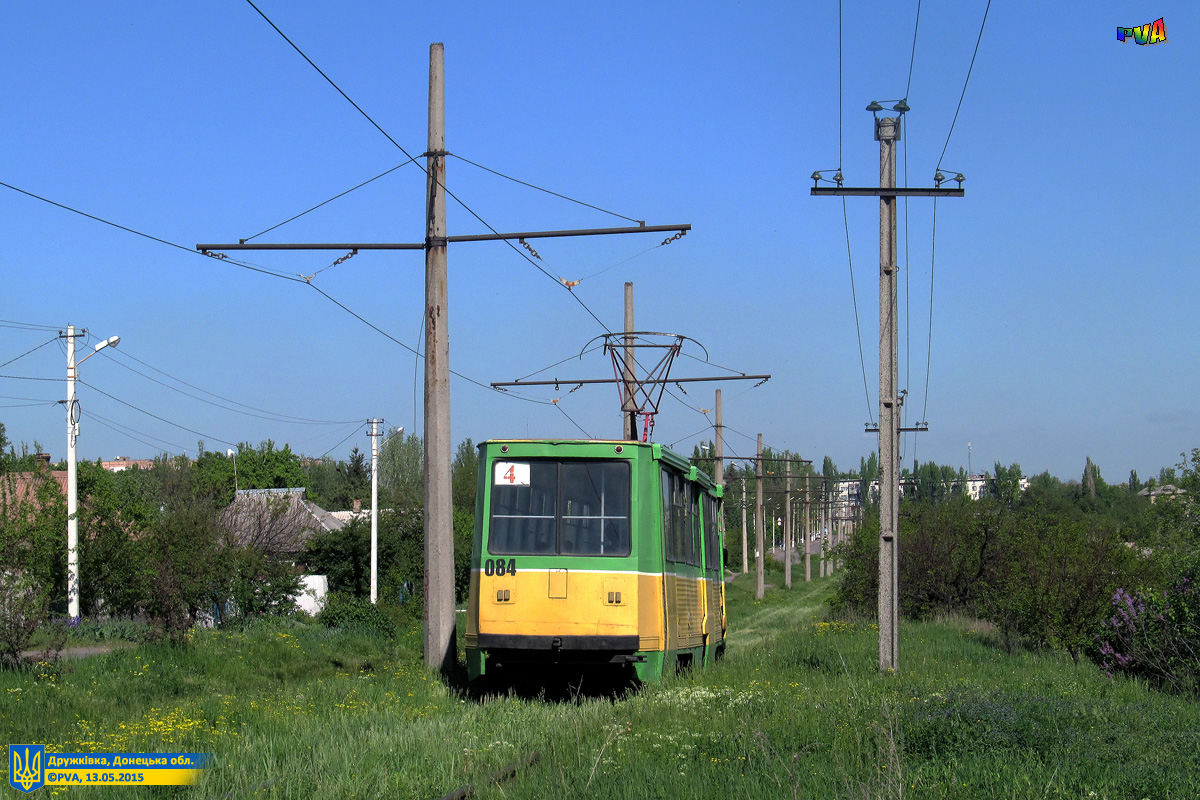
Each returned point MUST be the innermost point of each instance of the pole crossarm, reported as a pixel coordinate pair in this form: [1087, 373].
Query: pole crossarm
[479, 237]
[752, 458]
[582, 381]
[873, 427]
[873, 191]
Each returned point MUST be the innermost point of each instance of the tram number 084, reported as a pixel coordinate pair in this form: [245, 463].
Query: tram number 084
[500, 566]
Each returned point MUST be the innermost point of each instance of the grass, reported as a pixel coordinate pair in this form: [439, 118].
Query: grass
[796, 709]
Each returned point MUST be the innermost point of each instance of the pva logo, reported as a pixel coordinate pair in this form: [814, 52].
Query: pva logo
[1150, 33]
[25, 766]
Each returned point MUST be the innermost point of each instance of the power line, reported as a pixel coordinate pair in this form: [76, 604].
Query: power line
[965, 82]
[27, 352]
[929, 352]
[547, 191]
[29, 326]
[156, 416]
[342, 442]
[857, 328]
[913, 56]
[273, 416]
[127, 431]
[29, 378]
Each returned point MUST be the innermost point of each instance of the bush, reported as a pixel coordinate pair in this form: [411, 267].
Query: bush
[1156, 636]
[356, 615]
[23, 607]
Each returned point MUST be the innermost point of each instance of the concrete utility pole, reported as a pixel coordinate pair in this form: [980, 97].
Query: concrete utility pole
[807, 530]
[629, 393]
[72, 482]
[73, 580]
[439, 515]
[374, 434]
[760, 586]
[720, 426]
[887, 133]
[787, 529]
[745, 543]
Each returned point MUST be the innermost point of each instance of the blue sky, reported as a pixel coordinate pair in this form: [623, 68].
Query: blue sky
[1064, 284]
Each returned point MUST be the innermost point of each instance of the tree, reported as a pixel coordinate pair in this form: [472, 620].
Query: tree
[402, 470]
[464, 475]
[1006, 485]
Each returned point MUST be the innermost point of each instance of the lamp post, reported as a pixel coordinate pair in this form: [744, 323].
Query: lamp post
[72, 472]
[233, 454]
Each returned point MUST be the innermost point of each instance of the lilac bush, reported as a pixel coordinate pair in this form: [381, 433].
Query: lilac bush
[1155, 635]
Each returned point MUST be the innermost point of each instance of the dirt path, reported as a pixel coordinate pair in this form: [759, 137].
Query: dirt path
[81, 651]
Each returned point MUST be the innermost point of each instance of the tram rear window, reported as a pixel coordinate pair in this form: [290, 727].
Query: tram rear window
[570, 508]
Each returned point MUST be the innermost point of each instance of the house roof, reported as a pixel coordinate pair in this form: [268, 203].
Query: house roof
[277, 520]
[22, 487]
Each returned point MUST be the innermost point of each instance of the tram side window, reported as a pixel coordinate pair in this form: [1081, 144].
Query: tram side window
[595, 508]
[676, 519]
[712, 533]
[691, 528]
[524, 516]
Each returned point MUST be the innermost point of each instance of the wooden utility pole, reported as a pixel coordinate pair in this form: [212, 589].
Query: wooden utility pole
[787, 529]
[760, 586]
[887, 133]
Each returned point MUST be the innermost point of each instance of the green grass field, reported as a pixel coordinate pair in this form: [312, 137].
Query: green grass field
[796, 709]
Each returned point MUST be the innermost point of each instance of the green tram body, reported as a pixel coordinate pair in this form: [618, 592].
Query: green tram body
[594, 553]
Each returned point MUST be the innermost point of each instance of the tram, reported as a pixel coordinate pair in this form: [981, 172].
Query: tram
[590, 553]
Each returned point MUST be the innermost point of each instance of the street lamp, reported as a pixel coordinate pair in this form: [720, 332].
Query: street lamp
[72, 472]
[233, 454]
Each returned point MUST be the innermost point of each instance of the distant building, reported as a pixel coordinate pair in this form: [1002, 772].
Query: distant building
[1166, 490]
[122, 463]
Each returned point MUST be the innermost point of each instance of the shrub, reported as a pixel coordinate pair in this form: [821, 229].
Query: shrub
[356, 615]
[1156, 636]
[23, 607]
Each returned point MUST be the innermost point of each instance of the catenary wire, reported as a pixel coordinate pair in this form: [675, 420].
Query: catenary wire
[27, 352]
[547, 191]
[965, 83]
[573, 422]
[234, 261]
[29, 405]
[331, 83]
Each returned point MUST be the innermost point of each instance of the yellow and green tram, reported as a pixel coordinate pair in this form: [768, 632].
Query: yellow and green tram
[591, 553]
